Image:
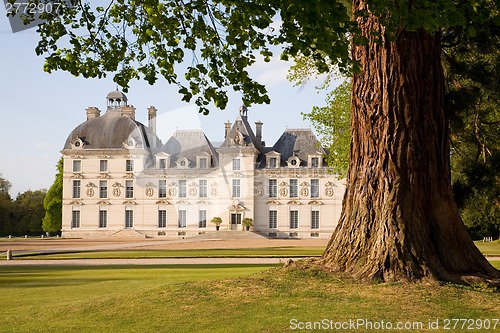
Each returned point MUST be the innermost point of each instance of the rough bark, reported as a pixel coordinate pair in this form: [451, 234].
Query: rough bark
[399, 219]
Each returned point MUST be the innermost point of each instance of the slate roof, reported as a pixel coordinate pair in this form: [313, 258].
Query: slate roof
[241, 125]
[189, 144]
[110, 131]
[301, 142]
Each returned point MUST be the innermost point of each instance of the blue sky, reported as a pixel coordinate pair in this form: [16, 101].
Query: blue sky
[39, 110]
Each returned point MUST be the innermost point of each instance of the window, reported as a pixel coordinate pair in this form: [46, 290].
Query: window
[203, 163]
[129, 165]
[314, 188]
[162, 218]
[103, 189]
[129, 218]
[129, 189]
[272, 162]
[76, 189]
[103, 218]
[273, 188]
[273, 219]
[294, 188]
[236, 164]
[162, 188]
[315, 219]
[236, 188]
[75, 219]
[163, 163]
[182, 219]
[182, 188]
[103, 165]
[202, 219]
[77, 166]
[314, 162]
[203, 188]
[294, 219]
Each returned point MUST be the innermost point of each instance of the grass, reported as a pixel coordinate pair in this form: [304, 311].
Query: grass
[304, 251]
[226, 298]
[489, 248]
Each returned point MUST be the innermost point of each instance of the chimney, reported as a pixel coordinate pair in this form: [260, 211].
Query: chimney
[93, 112]
[258, 132]
[152, 118]
[227, 126]
[128, 110]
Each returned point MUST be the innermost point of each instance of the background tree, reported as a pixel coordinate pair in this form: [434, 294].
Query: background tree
[332, 122]
[399, 220]
[52, 221]
[29, 212]
[5, 207]
[472, 64]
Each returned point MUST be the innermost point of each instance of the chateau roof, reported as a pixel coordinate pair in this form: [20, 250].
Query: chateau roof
[189, 144]
[300, 142]
[111, 131]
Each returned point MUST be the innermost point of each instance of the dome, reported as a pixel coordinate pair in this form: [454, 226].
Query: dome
[111, 132]
[117, 95]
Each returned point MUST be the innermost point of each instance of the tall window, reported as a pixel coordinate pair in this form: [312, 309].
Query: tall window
[202, 219]
[294, 188]
[103, 218]
[203, 163]
[315, 219]
[129, 218]
[203, 188]
[129, 165]
[314, 188]
[103, 165]
[129, 189]
[77, 166]
[294, 219]
[236, 164]
[182, 219]
[75, 219]
[162, 188]
[272, 162]
[162, 218]
[163, 163]
[103, 189]
[273, 188]
[314, 162]
[273, 219]
[182, 188]
[236, 188]
[77, 186]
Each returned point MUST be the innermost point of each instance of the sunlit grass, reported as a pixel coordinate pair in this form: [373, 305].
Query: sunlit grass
[224, 298]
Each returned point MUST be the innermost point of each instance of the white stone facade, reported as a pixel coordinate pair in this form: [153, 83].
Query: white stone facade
[119, 179]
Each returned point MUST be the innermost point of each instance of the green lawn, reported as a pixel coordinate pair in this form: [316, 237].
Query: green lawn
[286, 251]
[489, 248]
[225, 298]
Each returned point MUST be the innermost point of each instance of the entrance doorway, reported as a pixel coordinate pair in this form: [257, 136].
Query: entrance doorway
[235, 221]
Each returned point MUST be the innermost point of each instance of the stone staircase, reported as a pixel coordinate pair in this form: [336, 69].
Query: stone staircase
[128, 234]
[228, 234]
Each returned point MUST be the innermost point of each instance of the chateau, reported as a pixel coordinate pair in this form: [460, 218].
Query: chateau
[120, 179]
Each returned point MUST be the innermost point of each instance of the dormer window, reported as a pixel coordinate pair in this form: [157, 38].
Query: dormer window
[203, 163]
[77, 144]
[182, 163]
[293, 162]
[273, 160]
[162, 164]
[315, 161]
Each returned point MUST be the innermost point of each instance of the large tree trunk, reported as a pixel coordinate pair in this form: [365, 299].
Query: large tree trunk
[399, 219]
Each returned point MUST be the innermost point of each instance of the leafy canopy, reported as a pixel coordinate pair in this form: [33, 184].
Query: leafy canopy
[217, 41]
